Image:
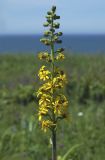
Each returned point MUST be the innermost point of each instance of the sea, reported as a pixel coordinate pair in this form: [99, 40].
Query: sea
[90, 44]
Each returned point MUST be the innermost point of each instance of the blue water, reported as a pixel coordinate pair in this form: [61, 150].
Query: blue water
[73, 43]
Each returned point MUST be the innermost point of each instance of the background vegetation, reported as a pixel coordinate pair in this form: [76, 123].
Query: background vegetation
[20, 135]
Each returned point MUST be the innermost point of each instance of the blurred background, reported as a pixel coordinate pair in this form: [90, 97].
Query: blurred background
[82, 22]
[21, 27]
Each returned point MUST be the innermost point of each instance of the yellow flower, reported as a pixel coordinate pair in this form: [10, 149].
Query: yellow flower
[60, 56]
[63, 77]
[59, 81]
[44, 88]
[45, 100]
[40, 92]
[48, 86]
[52, 104]
[42, 112]
[44, 56]
[60, 105]
[44, 74]
[47, 124]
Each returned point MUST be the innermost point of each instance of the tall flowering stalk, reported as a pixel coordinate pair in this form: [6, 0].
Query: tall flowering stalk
[53, 104]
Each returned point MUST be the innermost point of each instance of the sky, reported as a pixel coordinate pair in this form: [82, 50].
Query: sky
[27, 16]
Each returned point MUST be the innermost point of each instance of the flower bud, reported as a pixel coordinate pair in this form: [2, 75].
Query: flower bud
[49, 13]
[48, 16]
[59, 41]
[56, 17]
[56, 25]
[62, 72]
[49, 20]
[42, 40]
[59, 33]
[47, 33]
[60, 50]
[52, 30]
[55, 38]
[46, 24]
[53, 8]
[47, 42]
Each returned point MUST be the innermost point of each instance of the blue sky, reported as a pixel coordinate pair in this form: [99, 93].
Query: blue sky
[27, 16]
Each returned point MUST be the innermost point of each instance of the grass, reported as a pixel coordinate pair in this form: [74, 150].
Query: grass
[20, 135]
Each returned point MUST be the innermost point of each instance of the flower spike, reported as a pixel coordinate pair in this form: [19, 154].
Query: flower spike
[53, 107]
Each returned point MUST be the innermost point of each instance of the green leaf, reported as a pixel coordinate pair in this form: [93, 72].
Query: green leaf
[70, 151]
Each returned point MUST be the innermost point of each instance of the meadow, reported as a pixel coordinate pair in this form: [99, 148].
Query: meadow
[20, 135]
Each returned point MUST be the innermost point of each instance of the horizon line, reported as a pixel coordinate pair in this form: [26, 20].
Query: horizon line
[41, 34]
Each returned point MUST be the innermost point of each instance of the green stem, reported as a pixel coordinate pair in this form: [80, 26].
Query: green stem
[54, 155]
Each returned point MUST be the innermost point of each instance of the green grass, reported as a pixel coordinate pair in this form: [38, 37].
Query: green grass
[20, 135]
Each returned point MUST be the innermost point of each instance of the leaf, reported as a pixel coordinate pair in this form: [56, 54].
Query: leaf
[70, 151]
